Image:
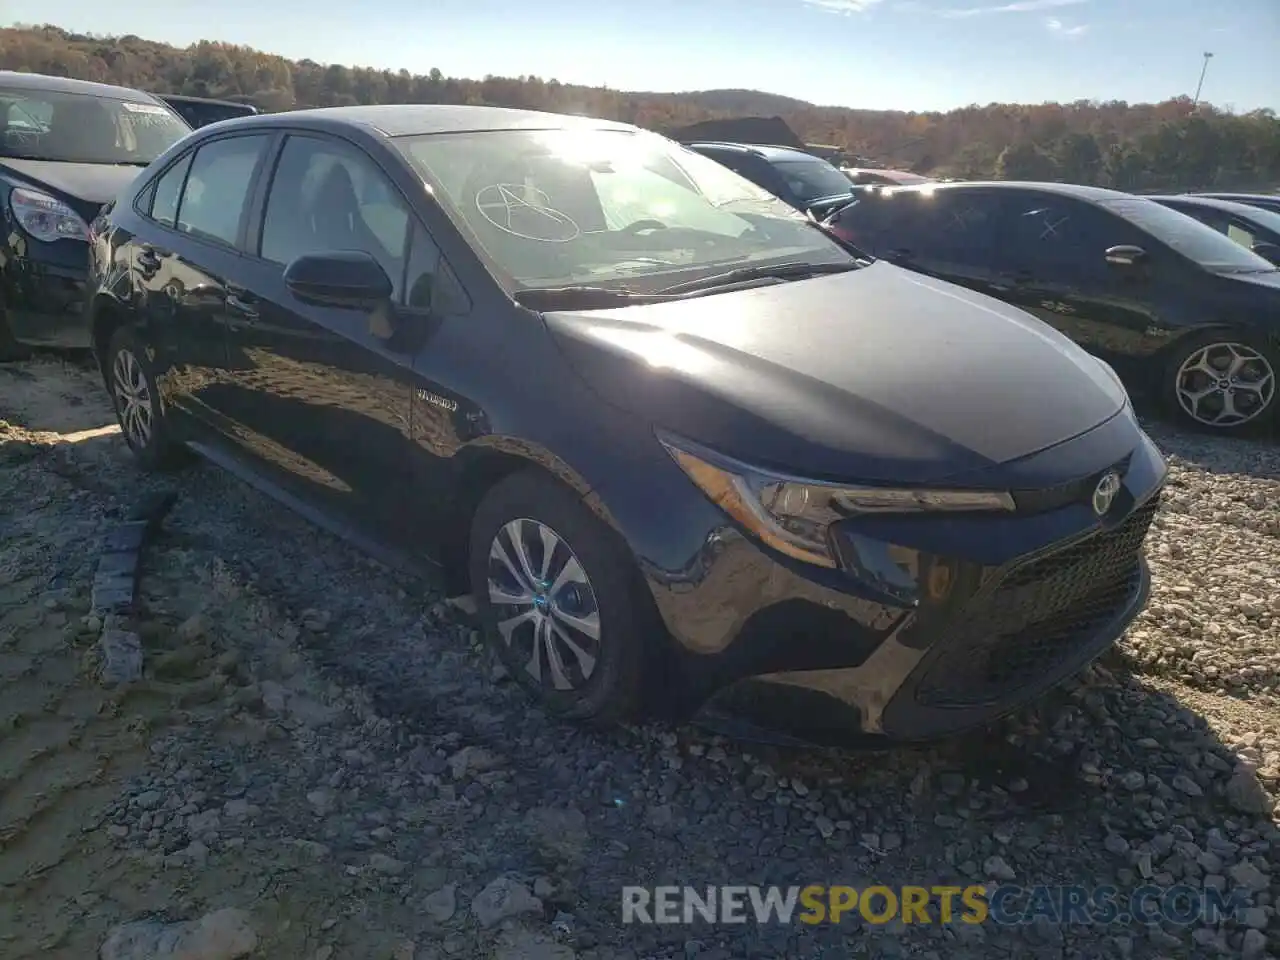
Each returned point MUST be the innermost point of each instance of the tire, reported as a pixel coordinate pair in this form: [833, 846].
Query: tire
[612, 689]
[1255, 393]
[126, 363]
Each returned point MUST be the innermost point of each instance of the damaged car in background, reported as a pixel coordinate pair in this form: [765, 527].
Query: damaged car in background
[672, 437]
[66, 148]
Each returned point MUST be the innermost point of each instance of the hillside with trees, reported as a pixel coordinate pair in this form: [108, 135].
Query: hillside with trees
[1165, 146]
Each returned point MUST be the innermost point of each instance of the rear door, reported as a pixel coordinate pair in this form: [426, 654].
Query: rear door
[196, 211]
[949, 234]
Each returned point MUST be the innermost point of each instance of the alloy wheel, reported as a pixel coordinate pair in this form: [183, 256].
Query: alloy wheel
[548, 615]
[133, 398]
[1225, 384]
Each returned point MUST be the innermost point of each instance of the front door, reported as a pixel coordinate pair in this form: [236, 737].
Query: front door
[1053, 264]
[321, 398]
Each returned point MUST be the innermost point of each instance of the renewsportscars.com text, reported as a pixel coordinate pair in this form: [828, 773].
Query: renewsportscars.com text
[1005, 904]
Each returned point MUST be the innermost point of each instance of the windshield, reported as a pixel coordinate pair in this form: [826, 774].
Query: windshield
[812, 179]
[75, 128]
[1191, 238]
[1267, 219]
[591, 207]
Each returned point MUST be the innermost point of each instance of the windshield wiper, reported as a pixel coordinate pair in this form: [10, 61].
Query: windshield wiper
[780, 271]
[580, 297]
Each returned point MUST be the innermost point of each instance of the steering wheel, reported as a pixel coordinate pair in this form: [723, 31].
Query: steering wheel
[642, 225]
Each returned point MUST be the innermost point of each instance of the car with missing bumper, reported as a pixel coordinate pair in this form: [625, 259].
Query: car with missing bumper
[672, 437]
[66, 148]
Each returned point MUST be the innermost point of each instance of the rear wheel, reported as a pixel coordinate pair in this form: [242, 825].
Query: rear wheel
[559, 600]
[130, 380]
[1222, 382]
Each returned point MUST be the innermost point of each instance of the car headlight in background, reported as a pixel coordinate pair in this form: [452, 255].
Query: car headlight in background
[793, 516]
[46, 218]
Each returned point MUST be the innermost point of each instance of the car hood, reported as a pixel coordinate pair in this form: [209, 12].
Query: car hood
[879, 374]
[1253, 282]
[86, 186]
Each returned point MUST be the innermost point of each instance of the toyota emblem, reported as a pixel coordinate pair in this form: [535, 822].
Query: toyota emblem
[1104, 494]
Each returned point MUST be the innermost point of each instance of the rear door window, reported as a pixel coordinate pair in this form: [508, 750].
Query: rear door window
[217, 189]
[168, 191]
[958, 227]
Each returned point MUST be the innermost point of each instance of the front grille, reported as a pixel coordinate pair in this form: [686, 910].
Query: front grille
[1073, 491]
[1037, 616]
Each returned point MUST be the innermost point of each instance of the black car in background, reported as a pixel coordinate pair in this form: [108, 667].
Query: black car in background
[1163, 297]
[66, 148]
[202, 111]
[1254, 228]
[808, 183]
[1267, 201]
[670, 434]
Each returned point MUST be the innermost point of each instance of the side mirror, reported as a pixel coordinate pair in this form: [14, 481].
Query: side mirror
[1268, 251]
[348, 279]
[1125, 255]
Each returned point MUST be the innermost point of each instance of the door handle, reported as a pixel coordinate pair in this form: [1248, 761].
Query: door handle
[242, 304]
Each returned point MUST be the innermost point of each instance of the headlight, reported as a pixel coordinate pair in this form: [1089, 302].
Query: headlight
[45, 218]
[792, 516]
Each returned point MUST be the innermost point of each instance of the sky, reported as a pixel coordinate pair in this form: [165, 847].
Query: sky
[871, 54]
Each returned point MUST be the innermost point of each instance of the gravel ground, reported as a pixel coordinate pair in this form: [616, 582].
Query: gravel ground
[322, 762]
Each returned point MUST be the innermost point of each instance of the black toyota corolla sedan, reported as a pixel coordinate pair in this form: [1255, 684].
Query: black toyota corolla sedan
[66, 148]
[672, 437]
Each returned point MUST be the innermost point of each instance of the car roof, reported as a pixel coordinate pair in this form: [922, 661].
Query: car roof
[1078, 191]
[184, 98]
[1209, 203]
[408, 119]
[1269, 197]
[768, 152]
[39, 81]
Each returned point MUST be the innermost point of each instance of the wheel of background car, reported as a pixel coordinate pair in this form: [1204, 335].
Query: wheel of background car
[640, 226]
[131, 384]
[559, 598]
[1222, 381]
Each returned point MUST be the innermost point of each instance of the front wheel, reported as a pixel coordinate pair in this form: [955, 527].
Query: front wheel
[559, 600]
[1225, 382]
[131, 382]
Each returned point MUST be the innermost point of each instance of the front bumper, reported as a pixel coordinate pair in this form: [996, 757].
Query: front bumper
[873, 654]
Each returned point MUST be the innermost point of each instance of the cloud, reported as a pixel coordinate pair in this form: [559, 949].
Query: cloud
[844, 8]
[1062, 30]
[1019, 6]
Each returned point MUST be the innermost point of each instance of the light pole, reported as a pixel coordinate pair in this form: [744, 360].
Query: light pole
[1203, 70]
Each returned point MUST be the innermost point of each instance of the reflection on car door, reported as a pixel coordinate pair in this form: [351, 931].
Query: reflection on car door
[1053, 264]
[321, 402]
[197, 206]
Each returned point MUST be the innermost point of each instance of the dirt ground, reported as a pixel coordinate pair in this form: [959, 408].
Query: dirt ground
[286, 754]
